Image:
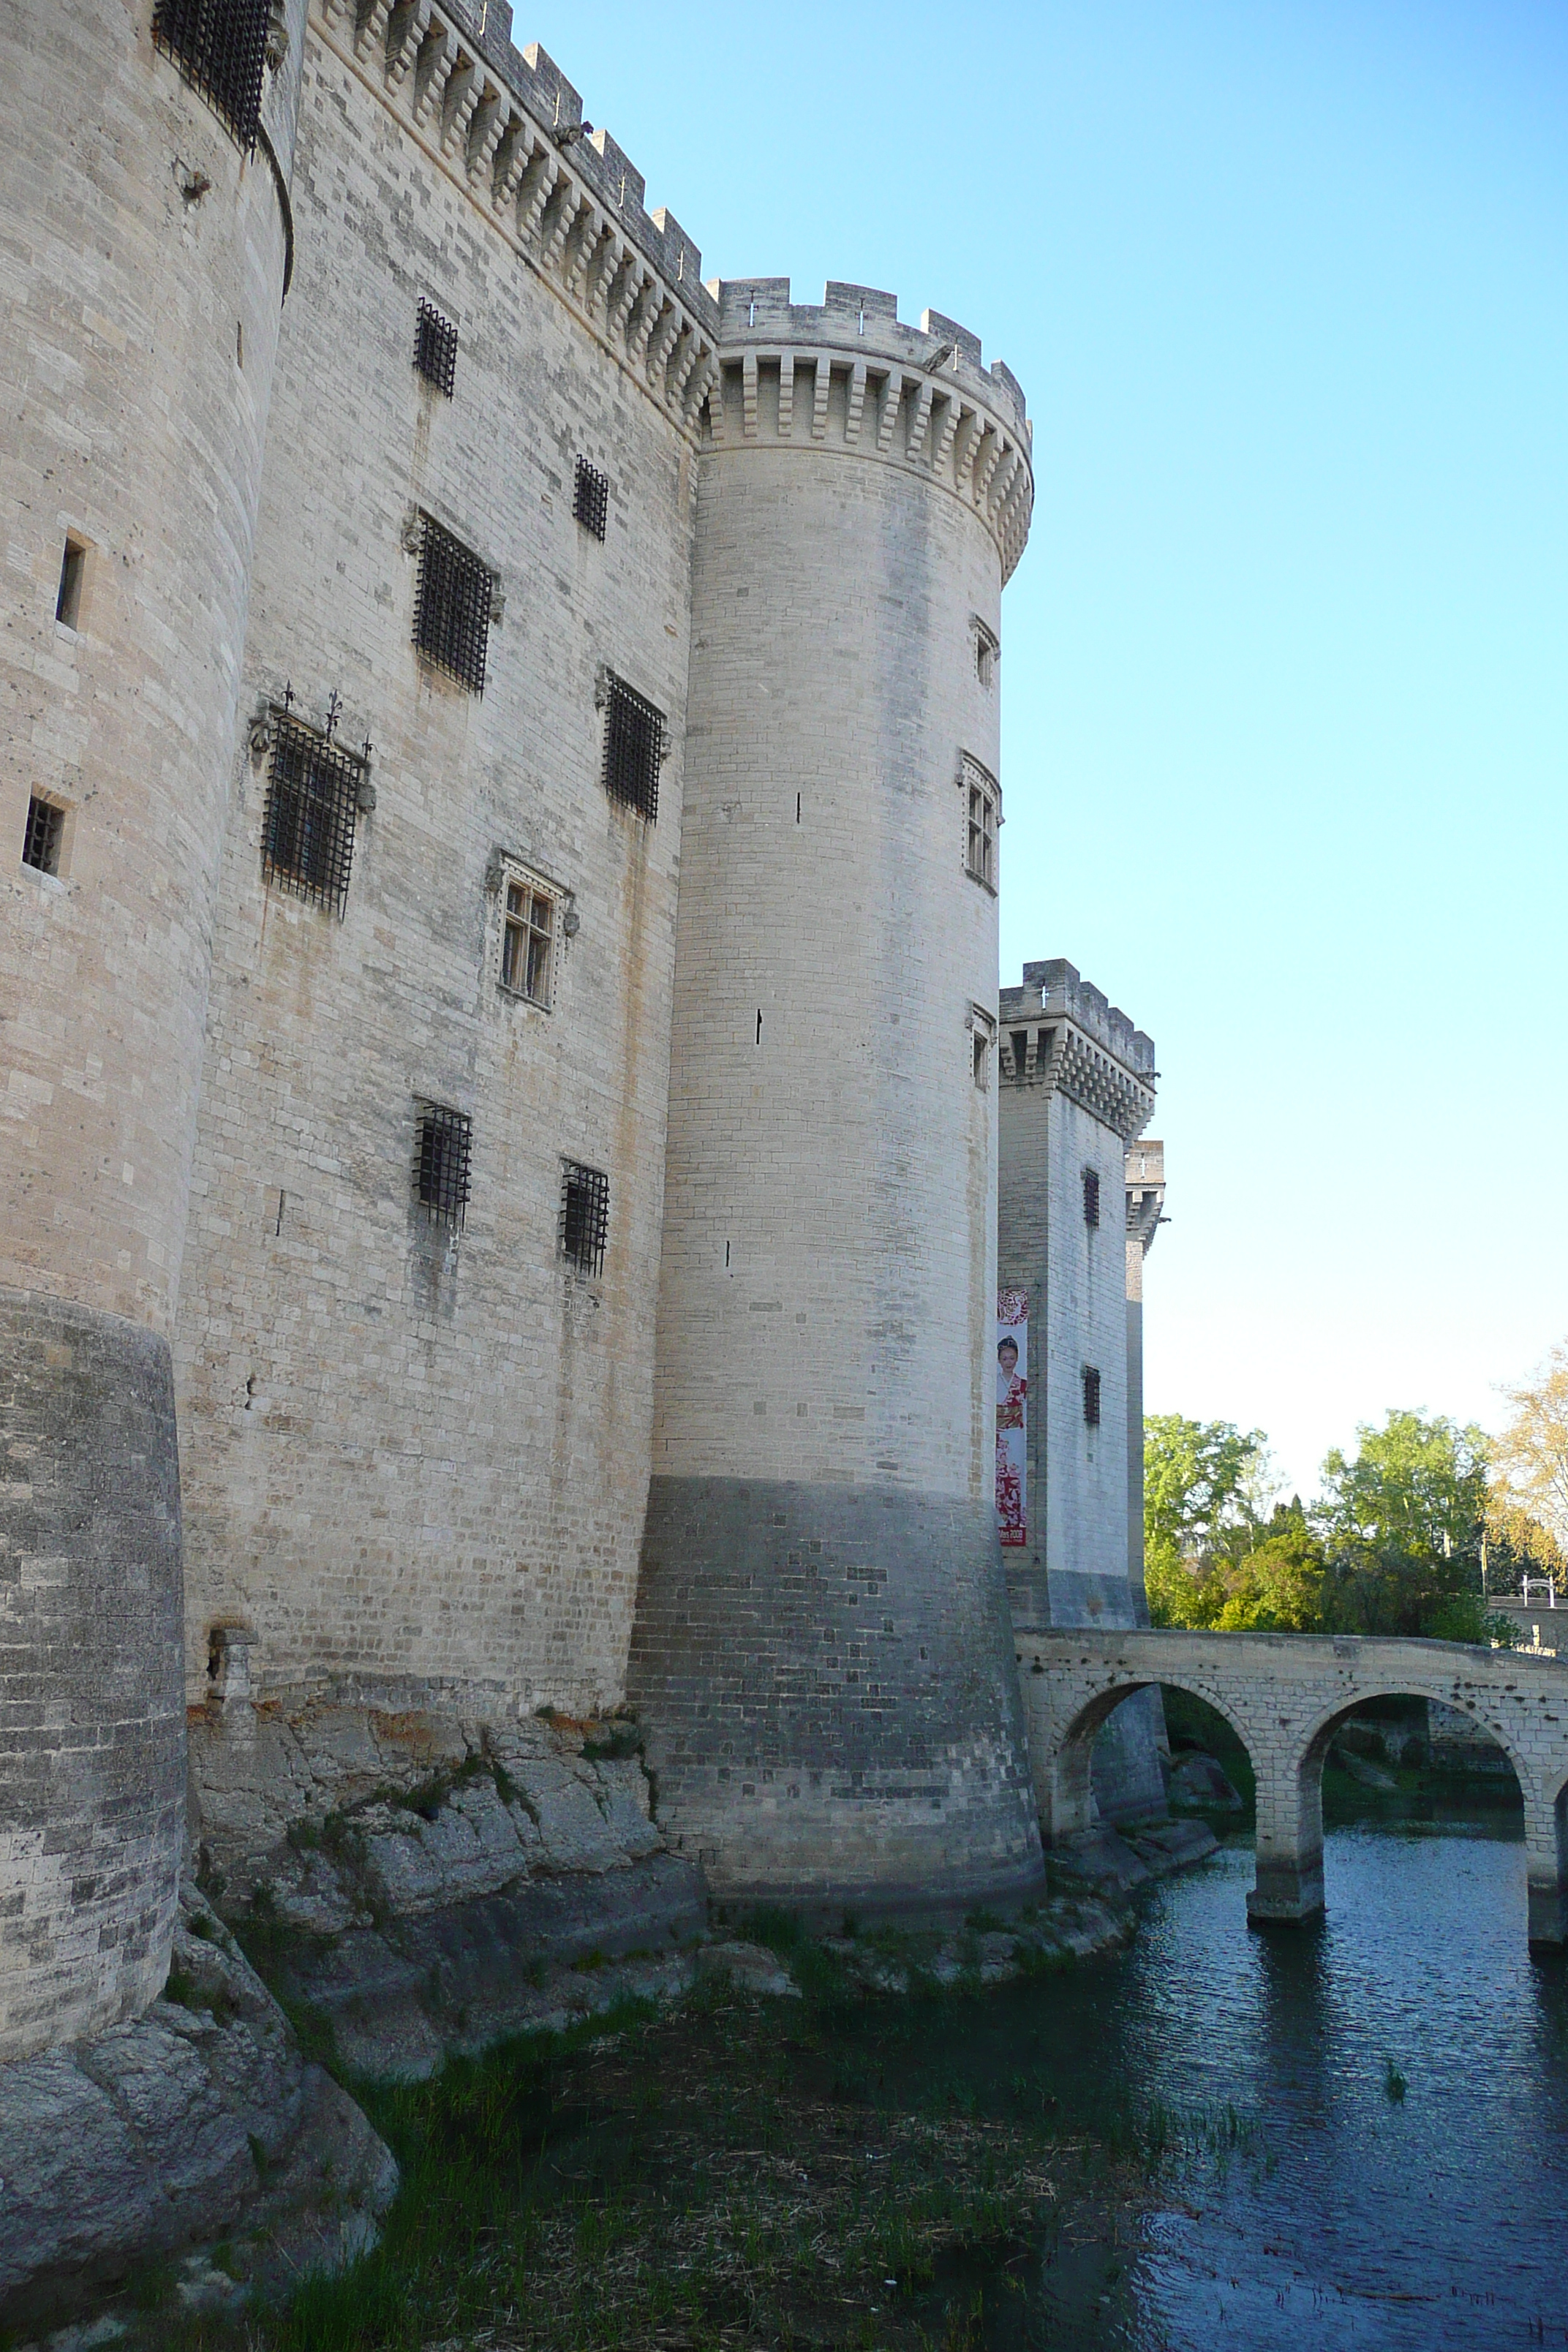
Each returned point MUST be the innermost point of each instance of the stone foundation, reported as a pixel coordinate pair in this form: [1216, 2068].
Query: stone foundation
[91, 1717]
[828, 1684]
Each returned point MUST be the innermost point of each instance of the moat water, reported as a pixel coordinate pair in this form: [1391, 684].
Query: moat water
[1367, 2123]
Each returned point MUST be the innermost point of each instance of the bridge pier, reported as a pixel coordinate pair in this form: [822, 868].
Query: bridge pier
[1546, 1839]
[1286, 1694]
[1288, 1888]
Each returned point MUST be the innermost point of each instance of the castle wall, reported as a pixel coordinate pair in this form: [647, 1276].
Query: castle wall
[146, 253]
[821, 1649]
[1077, 1086]
[410, 1451]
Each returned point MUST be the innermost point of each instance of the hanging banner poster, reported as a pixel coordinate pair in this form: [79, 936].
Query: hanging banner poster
[1011, 1415]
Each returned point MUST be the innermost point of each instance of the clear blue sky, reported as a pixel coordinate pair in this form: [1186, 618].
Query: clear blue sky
[1286, 719]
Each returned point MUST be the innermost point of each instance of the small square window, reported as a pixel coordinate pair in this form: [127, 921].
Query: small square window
[591, 499]
[43, 836]
[443, 1139]
[982, 818]
[584, 1217]
[73, 571]
[452, 606]
[528, 942]
[633, 747]
[435, 348]
[1091, 1197]
[308, 826]
[986, 651]
[220, 47]
[1090, 1397]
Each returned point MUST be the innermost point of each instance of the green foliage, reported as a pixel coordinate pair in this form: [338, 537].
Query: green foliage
[1200, 1512]
[1393, 1546]
[1465, 1617]
[1403, 1524]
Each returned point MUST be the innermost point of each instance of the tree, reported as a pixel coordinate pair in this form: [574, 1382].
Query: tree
[1278, 1587]
[1527, 1501]
[1403, 1524]
[1200, 1512]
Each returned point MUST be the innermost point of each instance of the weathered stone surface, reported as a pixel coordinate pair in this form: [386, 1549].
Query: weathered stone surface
[200, 2119]
[1202, 1781]
[402, 1995]
[752, 1966]
[473, 1843]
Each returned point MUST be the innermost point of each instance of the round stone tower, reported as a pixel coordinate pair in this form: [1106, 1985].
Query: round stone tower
[144, 154]
[822, 1652]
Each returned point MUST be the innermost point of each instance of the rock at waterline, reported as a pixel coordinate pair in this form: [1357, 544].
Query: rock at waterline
[1199, 1780]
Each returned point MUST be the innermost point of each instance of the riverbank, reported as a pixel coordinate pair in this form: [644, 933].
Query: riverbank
[746, 2169]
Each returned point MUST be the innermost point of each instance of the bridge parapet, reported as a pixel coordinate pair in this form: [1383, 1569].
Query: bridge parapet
[1284, 1695]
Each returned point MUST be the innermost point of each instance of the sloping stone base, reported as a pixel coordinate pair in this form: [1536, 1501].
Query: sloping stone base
[200, 2121]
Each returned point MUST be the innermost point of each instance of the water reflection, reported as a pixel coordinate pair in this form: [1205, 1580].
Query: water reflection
[1337, 2216]
[1362, 2218]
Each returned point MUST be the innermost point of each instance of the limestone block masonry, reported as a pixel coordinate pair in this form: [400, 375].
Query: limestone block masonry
[414, 1447]
[146, 251]
[821, 1649]
[1284, 1695]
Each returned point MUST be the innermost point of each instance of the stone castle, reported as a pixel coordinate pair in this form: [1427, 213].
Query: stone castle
[504, 1077]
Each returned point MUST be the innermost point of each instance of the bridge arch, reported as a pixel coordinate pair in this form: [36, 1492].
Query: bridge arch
[1284, 1695]
[1063, 1759]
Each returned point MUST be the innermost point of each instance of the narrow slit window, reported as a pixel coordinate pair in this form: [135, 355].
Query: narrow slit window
[985, 652]
[584, 1217]
[528, 942]
[452, 606]
[634, 748]
[982, 817]
[43, 835]
[73, 569]
[1091, 1197]
[591, 499]
[220, 47]
[308, 826]
[435, 348]
[1090, 1397]
[442, 1150]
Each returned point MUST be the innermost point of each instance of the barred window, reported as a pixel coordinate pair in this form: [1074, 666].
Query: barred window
[435, 348]
[1091, 1197]
[981, 816]
[452, 606]
[591, 499]
[528, 942]
[1090, 1397]
[308, 826]
[43, 835]
[585, 1216]
[220, 47]
[443, 1142]
[633, 747]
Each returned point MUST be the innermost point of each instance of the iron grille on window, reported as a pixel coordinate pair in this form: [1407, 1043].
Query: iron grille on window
[441, 1162]
[452, 606]
[308, 828]
[435, 348]
[1091, 1197]
[41, 840]
[1090, 1397]
[634, 748]
[584, 1217]
[220, 47]
[591, 499]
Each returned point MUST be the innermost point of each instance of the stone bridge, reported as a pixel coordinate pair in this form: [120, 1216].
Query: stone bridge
[1284, 1695]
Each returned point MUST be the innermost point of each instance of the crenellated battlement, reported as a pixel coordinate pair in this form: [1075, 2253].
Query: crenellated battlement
[1061, 1032]
[849, 375]
[507, 126]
